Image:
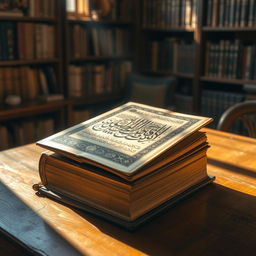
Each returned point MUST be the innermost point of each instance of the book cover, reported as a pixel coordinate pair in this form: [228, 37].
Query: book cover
[126, 138]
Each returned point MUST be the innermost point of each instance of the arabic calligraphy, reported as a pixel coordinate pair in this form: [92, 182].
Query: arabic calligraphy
[138, 129]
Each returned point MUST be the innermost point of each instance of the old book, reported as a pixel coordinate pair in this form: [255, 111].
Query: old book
[127, 163]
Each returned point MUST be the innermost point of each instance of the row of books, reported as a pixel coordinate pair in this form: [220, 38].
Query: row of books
[100, 10]
[165, 14]
[231, 13]
[231, 59]
[30, 8]
[99, 41]
[215, 102]
[25, 41]
[92, 79]
[23, 132]
[170, 55]
[36, 41]
[29, 83]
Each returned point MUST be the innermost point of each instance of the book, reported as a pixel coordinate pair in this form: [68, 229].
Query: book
[126, 164]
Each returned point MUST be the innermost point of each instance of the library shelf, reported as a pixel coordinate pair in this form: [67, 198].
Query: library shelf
[100, 59]
[30, 109]
[28, 19]
[99, 22]
[164, 73]
[8, 63]
[229, 29]
[227, 80]
[169, 30]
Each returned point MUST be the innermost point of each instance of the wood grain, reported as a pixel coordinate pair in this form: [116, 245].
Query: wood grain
[220, 219]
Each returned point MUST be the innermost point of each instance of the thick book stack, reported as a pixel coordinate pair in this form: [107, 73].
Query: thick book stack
[231, 13]
[167, 14]
[127, 164]
[231, 59]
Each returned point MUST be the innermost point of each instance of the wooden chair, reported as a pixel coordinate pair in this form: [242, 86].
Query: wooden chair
[245, 112]
[154, 91]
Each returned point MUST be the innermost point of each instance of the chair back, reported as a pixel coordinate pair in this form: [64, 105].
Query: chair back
[245, 112]
[153, 91]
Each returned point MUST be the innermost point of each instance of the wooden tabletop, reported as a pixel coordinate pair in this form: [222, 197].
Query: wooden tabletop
[220, 219]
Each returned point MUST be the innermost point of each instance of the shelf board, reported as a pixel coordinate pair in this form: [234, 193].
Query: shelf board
[227, 80]
[27, 62]
[166, 73]
[228, 29]
[100, 58]
[173, 29]
[100, 98]
[27, 19]
[184, 75]
[95, 22]
[30, 109]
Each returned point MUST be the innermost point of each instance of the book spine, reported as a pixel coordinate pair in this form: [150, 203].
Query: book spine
[222, 6]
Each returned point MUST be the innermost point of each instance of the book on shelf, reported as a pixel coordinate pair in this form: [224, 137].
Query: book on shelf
[35, 41]
[12, 8]
[99, 10]
[31, 8]
[95, 79]
[127, 164]
[231, 13]
[29, 83]
[170, 55]
[231, 59]
[80, 115]
[99, 41]
[168, 14]
[8, 49]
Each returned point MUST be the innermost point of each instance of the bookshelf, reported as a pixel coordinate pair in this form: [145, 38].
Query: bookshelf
[99, 53]
[213, 40]
[31, 87]
[68, 59]
[227, 54]
[167, 32]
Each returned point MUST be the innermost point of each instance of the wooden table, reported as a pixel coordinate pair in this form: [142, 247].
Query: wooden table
[220, 219]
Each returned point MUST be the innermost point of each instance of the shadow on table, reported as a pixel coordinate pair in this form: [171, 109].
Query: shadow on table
[21, 224]
[213, 221]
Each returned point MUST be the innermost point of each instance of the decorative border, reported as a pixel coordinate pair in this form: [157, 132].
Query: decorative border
[113, 155]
